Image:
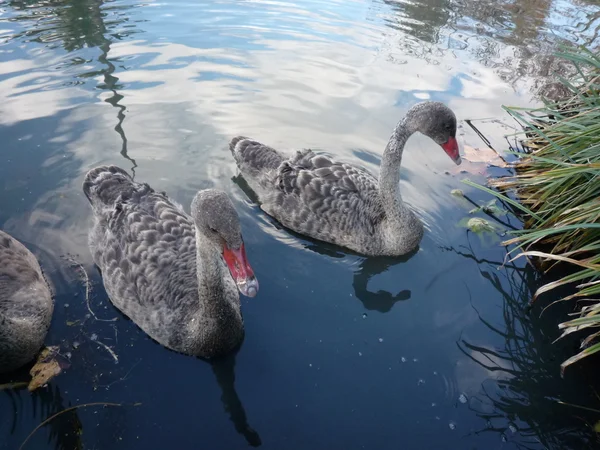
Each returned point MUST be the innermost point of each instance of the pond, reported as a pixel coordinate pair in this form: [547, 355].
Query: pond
[435, 350]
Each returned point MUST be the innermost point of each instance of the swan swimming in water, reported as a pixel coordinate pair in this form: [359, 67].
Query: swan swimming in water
[26, 305]
[177, 277]
[340, 203]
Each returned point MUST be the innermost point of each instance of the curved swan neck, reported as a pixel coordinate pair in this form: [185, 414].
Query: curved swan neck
[211, 287]
[209, 279]
[219, 300]
[389, 176]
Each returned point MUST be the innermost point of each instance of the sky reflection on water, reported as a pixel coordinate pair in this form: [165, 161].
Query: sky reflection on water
[340, 351]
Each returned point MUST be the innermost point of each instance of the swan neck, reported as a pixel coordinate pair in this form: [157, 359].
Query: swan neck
[389, 177]
[218, 296]
[210, 279]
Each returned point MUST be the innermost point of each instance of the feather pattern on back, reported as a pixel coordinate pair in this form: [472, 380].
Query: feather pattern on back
[155, 269]
[26, 304]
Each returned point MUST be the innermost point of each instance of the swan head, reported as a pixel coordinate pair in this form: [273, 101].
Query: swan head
[438, 122]
[216, 218]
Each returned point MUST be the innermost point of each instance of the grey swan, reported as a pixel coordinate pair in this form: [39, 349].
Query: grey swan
[177, 277]
[339, 203]
[26, 305]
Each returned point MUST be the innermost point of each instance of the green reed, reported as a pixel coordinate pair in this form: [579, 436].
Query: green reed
[557, 186]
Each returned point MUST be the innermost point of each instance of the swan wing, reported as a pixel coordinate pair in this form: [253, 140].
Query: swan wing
[343, 193]
[143, 243]
[20, 270]
[253, 158]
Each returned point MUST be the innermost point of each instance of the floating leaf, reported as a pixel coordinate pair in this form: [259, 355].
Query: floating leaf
[457, 193]
[490, 208]
[597, 427]
[48, 365]
[487, 232]
[479, 225]
[483, 155]
[71, 323]
[494, 209]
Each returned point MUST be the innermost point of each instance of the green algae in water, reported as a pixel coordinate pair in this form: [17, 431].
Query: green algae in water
[479, 225]
[490, 208]
[487, 231]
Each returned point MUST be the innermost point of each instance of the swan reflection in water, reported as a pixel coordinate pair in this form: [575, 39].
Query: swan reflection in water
[66, 430]
[381, 300]
[224, 370]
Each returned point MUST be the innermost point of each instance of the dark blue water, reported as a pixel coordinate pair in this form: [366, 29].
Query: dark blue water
[434, 351]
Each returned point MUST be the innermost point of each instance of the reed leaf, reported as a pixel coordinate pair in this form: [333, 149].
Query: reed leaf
[556, 185]
[573, 359]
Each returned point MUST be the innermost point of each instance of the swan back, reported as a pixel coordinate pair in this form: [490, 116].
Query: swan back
[26, 304]
[161, 267]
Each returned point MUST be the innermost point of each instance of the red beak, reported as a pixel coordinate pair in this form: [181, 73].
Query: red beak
[240, 270]
[451, 149]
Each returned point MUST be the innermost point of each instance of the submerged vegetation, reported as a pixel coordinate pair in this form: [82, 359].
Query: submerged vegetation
[557, 187]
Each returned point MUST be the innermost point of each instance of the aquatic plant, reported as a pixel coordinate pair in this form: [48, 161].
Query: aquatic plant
[557, 191]
[523, 400]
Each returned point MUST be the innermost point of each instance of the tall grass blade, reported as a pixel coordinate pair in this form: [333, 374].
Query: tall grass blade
[556, 184]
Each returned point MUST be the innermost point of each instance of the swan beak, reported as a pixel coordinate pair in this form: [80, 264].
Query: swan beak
[240, 270]
[451, 149]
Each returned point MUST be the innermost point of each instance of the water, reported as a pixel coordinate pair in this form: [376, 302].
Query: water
[430, 351]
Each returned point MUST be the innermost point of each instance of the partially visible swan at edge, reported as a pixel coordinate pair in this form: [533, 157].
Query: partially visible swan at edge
[340, 203]
[177, 277]
[26, 305]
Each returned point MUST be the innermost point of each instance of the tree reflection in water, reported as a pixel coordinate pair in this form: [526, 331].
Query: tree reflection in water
[526, 385]
[64, 430]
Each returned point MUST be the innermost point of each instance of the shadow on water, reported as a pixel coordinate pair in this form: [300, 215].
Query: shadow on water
[65, 430]
[381, 300]
[224, 370]
[524, 390]
[110, 83]
[79, 342]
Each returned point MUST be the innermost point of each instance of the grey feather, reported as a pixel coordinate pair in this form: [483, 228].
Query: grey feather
[254, 156]
[163, 268]
[26, 304]
[338, 202]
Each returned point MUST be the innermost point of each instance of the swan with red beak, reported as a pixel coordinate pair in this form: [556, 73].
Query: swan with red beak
[451, 149]
[217, 223]
[177, 276]
[240, 270]
[341, 203]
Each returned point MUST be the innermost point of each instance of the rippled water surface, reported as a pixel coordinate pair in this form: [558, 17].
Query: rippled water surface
[341, 352]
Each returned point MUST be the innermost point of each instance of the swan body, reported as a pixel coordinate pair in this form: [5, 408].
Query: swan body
[176, 276]
[338, 202]
[26, 305]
